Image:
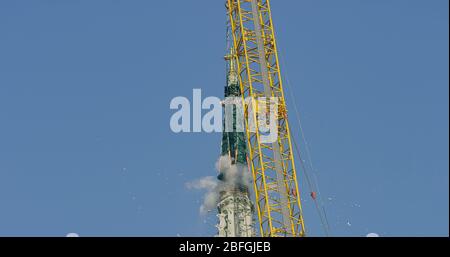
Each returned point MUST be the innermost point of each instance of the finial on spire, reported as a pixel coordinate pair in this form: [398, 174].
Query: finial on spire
[232, 74]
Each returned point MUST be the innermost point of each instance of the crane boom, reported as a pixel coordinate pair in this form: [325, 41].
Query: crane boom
[277, 197]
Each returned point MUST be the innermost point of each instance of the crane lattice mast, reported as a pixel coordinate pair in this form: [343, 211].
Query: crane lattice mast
[277, 196]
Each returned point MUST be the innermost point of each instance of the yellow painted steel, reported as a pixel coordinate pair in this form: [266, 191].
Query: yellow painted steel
[270, 207]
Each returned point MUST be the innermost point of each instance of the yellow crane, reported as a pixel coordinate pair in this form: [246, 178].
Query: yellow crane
[277, 195]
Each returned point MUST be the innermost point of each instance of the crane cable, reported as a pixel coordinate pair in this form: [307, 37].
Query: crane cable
[320, 208]
[321, 211]
[323, 218]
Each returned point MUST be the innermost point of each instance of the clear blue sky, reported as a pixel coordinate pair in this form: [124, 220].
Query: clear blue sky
[85, 86]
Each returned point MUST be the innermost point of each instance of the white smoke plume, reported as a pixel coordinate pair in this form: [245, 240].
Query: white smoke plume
[223, 163]
[206, 183]
[209, 202]
[209, 184]
[234, 174]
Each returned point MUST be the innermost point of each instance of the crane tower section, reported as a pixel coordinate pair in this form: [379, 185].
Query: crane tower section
[276, 191]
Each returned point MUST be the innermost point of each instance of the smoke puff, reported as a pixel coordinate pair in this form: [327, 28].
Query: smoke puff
[234, 174]
[237, 174]
[247, 178]
[223, 163]
[211, 185]
[206, 183]
[210, 202]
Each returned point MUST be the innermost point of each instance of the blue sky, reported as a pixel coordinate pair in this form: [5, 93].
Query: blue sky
[85, 87]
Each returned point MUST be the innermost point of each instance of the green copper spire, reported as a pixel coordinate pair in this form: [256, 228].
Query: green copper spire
[234, 143]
